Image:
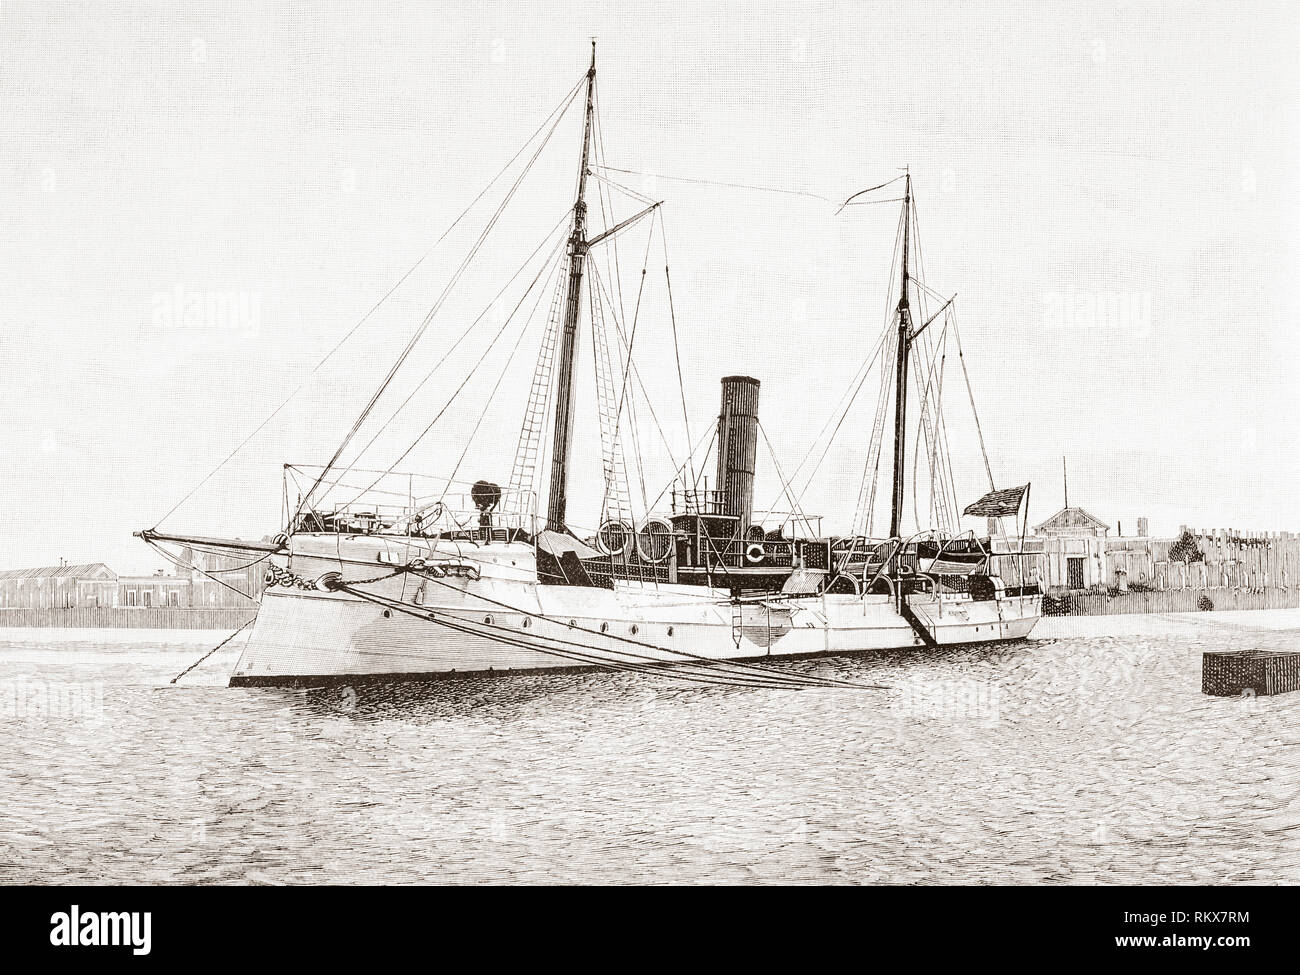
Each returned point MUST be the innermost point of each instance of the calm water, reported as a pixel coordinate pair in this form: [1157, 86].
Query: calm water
[1078, 758]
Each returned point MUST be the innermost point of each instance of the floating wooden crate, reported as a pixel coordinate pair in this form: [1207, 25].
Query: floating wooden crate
[1237, 672]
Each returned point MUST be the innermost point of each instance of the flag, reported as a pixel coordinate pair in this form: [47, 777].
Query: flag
[998, 504]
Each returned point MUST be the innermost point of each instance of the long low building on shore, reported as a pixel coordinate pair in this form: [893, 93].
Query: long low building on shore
[201, 581]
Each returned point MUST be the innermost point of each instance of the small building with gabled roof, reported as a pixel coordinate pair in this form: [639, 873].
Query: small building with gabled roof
[1073, 522]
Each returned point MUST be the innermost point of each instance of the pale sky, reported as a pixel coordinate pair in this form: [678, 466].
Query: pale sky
[1110, 188]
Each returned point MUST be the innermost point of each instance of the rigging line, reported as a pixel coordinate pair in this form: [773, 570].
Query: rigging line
[618, 313]
[871, 189]
[237, 568]
[865, 513]
[536, 412]
[634, 420]
[714, 182]
[428, 318]
[600, 143]
[157, 547]
[735, 665]
[639, 197]
[351, 466]
[636, 315]
[891, 296]
[597, 292]
[927, 369]
[961, 357]
[468, 376]
[864, 510]
[704, 463]
[668, 669]
[943, 427]
[348, 486]
[375, 307]
[945, 442]
[785, 487]
[867, 203]
[848, 404]
[672, 314]
[611, 456]
[528, 321]
[930, 349]
[602, 193]
[855, 384]
[622, 396]
[932, 412]
[940, 468]
[672, 481]
[548, 418]
[937, 295]
[641, 385]
[920, 256]
[882, 405]
[916, 454]
[503, 634]
[952, 320]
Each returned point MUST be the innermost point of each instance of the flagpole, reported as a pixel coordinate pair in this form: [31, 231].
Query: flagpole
[1024, 527]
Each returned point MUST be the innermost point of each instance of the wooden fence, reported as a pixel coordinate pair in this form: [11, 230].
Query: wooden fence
[132, 617]
[1169, 601]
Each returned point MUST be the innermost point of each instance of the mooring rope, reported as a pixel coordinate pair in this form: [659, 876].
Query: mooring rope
[213, 650]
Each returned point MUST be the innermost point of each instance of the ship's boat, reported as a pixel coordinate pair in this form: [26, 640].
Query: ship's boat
[377, 574]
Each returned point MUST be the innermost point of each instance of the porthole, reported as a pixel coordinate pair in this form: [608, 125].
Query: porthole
[388, 614]
[604, 627]
[487, 620]
[527, 622]
[634, 629]
[572, 623]
[670, 631]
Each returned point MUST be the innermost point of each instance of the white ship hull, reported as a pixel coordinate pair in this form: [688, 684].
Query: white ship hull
[503, 621]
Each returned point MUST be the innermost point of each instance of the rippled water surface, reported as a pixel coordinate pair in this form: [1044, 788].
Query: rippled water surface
[1086, 755]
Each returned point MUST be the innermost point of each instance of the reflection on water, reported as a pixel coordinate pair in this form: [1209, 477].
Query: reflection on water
[1079, 759]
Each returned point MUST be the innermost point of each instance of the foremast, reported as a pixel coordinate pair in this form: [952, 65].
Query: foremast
[557, 497]
[904, 316]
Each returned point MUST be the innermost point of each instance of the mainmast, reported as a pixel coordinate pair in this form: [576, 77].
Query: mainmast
[557, 498]
[900, 389]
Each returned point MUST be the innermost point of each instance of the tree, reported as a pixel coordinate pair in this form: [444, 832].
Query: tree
[1186, 550]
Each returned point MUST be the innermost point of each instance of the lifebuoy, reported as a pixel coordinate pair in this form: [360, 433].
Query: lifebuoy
[755, 553]
[654, 542]
[614, 538]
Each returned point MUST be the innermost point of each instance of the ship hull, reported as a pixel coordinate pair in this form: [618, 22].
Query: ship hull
[410, 626]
